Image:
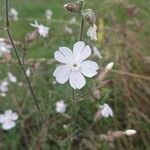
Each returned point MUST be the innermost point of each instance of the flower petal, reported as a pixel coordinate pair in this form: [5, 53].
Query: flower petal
[86, 52]
[90, 64]
[88, 72]
[63, 55]
[7, 125]
[66, 52]
[77, 80]
[78, 47]
[62, 73]
[88, 68]
[2, 118]
[14, 116]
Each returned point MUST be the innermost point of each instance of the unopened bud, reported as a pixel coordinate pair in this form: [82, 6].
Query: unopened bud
[73, 7]
[89, 16]
[130, 132]
[32, 36]
[102, 76]
[109, 66]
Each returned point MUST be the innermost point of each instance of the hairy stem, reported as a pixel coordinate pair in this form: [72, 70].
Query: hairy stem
[17, 55]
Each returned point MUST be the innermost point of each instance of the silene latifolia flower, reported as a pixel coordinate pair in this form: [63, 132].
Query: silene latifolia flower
[11, 77]
[13, 14]
[48, 14]
[60, 106]
[74, 66]
[43, 31]
[8, 119]
[4, 48]
[106, 110]
[4, 86]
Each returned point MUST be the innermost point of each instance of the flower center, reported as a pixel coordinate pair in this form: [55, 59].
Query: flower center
[75, 66]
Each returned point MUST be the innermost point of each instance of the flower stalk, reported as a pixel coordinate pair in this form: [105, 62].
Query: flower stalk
[17, 55]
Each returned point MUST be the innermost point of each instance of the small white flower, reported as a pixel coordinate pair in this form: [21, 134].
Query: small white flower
[97, 52]
[130, 132]
[74, 66]
[65, 126]
[13, 14]
[60, 106]
[8, 119]
[3, 94]
[106, 110]
[11, 77]
[4, 86]
[4, 48]
[67, 29]
[28, 72]
[48, 14]
[92, 32]
[43, 31]
[109, 66]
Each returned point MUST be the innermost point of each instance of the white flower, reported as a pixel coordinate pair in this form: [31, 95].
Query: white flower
[28, 72]
[11, 77]
[13, 14]
[106, 110]
[74, 66]
[60, 106]
[97, 52]
[4, 86]
[8, 119]
[48, 14]
[43, 31]
[3, 94]
[92, 32]
[4, 48]
[130, 132]
[109, 66]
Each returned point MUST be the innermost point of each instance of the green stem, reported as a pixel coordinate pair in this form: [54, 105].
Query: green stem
[17, 55]
[81, 29]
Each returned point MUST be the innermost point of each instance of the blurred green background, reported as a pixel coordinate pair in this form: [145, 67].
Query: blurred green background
[123, 31]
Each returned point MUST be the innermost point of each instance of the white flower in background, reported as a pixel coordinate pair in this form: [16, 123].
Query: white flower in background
[11, 77]
[4, 48]
[130, 132]
[4, 86]
[60, 106]
[74, 66]
[3, 94]
[8, 119]
[92, 32]
[106, 110]
[97, 52]
[48, 14]
[67, 29]
[28, 72]
[43, 31]
[109, 66]
[13, 14]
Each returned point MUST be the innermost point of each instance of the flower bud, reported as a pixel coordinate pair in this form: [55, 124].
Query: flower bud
[32, 36]
[130, 132]
[89, 16]
[73, 7]
[109, 66]
[102, 76]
